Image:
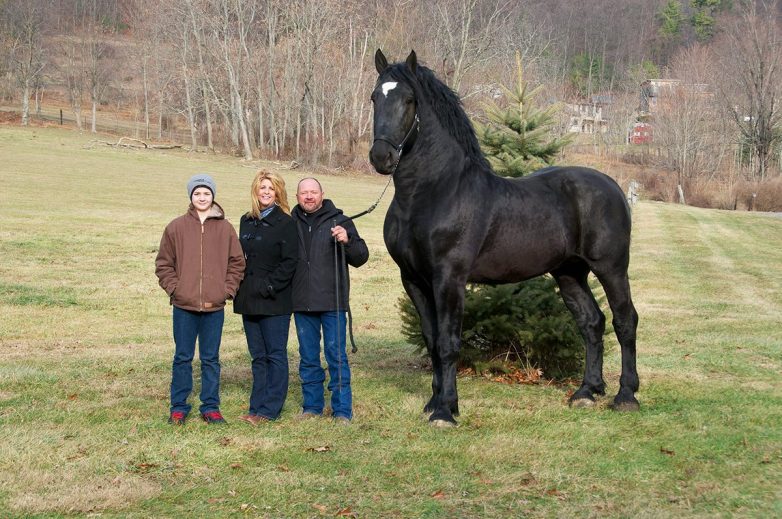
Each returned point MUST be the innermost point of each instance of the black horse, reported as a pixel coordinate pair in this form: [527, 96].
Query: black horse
[453, 221]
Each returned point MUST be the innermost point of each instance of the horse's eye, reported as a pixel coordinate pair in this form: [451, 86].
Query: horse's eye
[409, 100]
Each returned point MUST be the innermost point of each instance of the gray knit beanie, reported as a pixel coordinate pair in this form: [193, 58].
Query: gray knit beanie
[201, 179]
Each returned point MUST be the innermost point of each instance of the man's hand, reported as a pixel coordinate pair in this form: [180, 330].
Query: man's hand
[340, 234]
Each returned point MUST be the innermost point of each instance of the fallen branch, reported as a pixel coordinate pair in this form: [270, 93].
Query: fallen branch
[129, 142]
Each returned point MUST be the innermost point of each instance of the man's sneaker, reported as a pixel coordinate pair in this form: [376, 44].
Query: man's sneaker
[213, 417]
[342, 420]
[177, 418]
[253, 419]
[306, 415]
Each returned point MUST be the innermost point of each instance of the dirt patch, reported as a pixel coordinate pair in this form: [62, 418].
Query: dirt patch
[70, 496]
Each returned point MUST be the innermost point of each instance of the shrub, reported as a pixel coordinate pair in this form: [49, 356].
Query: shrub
[526, 323]
[768, 195]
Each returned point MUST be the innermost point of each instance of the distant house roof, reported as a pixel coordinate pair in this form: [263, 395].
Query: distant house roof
[602, 99]
[595, 99]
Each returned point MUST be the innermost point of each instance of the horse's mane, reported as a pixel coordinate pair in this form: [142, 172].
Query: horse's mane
[445, 104]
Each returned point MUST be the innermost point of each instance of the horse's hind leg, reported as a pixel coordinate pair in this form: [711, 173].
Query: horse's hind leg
[575, 292]
[424, 304]
[617, 289]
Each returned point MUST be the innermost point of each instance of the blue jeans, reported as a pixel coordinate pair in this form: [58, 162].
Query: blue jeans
[208, 328]
[267, 341]
[308, 330]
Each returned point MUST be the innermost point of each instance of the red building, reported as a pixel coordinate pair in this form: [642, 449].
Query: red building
[640, 134]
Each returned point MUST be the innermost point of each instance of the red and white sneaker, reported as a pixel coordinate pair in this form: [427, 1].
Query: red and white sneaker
[177, 418]
[211, 417]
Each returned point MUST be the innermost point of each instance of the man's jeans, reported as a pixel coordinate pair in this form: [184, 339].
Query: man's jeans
[208, 328]
[308, 330]
[267, 341]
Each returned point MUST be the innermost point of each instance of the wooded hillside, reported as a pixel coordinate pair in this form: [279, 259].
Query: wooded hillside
[291, 78]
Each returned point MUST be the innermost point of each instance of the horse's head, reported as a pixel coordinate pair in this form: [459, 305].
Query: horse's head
[396, 116]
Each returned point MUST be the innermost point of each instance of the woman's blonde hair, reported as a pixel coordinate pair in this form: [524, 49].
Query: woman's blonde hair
[280, 195]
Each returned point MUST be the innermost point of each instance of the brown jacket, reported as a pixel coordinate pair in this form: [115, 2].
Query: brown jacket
[200, 265]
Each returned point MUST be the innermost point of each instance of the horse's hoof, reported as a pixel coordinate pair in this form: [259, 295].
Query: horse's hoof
[626, 407]
[441, 423]
[582, 403]
[442, 418]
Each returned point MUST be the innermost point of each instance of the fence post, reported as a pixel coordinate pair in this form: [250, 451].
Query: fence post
[632, 193]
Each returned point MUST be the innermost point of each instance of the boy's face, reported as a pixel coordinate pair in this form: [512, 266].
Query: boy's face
[202, 198]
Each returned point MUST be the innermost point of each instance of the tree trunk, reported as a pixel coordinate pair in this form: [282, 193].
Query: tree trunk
[190, 114]
[94, 113]
[208, 119]
[261, 137]
[248, 152]
[298, 132]
[160, 116]
[26, 104]
[146, 96]
[271, 21]
[197, 34]
[38, 101]
[77, 116]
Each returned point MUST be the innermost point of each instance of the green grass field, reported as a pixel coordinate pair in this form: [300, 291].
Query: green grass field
[85, 354]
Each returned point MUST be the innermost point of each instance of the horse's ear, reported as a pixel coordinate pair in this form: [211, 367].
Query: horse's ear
[412, 61]
[380, 61]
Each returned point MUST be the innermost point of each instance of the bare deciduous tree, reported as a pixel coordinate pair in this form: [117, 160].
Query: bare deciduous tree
[688, 125]
[23, 27]
[73, 72]
[750, 53]
[230, 23]
[468, 32]
[98, 52]
[184, 53]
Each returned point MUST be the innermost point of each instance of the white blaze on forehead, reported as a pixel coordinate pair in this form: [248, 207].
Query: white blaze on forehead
[387, 87]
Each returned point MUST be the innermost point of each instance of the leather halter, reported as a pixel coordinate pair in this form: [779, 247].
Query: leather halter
[415, 126]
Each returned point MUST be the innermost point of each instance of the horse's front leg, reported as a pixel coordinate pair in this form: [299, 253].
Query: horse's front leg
[421, 296]
[449, 305]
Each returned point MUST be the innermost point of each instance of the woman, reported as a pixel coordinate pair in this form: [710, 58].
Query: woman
[270, 243]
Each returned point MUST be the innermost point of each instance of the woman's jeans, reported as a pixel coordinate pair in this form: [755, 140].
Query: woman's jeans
[267, 341]
[308, 330]
[208, 328]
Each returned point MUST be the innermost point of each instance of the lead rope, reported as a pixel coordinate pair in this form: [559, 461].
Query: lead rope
[337, 272]
[342, 271]
[399, 148]
[373, 206]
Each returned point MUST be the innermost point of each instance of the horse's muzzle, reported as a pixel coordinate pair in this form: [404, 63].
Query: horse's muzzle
[383, 157]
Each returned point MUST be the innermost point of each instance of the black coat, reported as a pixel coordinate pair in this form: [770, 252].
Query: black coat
[314, 288]
[271, 251]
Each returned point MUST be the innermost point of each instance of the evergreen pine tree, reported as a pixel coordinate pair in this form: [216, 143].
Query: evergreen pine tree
[702, 19]
[518, 140]
[671, 18]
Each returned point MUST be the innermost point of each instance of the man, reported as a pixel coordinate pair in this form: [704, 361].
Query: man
[315, 306]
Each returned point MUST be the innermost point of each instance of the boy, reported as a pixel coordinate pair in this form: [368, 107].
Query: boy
[200, 264]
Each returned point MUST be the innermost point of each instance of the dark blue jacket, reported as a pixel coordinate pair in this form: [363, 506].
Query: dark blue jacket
[314, 284]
